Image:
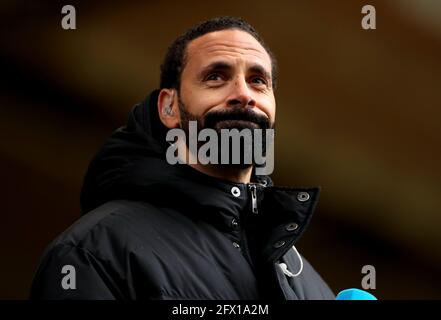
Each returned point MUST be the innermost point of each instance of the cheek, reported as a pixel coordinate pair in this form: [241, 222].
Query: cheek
[268, 106]
[200, 101]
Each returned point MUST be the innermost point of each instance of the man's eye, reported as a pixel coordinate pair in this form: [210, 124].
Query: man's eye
[258, 80]
[213, 77]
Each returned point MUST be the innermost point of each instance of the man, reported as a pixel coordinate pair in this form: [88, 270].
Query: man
[156, 230]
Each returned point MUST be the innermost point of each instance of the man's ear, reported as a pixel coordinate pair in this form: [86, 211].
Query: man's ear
[168, 108]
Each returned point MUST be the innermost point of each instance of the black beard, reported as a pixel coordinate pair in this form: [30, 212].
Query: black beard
[232, 118]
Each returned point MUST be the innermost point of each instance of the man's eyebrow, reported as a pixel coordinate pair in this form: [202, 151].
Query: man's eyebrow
[215, 66]
[225, 66]
[257, 68]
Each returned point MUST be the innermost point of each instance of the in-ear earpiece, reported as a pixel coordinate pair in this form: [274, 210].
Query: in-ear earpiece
[168, 109]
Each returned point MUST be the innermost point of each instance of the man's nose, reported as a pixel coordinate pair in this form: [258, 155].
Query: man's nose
[241, 95]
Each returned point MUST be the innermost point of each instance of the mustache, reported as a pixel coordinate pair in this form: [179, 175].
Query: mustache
[244, 114]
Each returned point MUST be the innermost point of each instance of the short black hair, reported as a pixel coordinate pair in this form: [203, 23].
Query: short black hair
[174, 61]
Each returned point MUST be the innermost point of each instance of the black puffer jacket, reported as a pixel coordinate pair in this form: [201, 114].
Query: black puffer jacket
[151, 230]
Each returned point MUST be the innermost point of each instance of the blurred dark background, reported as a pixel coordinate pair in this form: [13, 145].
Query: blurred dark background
[358, 113]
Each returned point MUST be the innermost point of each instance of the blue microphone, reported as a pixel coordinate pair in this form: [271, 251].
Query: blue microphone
[355, 294]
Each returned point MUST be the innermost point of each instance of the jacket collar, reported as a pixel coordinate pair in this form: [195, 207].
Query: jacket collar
[282, 216]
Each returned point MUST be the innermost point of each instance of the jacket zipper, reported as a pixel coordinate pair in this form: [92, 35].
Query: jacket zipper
[253, 190]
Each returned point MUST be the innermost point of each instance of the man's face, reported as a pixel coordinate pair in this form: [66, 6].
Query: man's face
[226, 82]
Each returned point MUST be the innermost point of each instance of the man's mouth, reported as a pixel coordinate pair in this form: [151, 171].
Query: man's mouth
[236, 123]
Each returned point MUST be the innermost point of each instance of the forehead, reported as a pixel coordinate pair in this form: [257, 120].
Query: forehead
[227, 44]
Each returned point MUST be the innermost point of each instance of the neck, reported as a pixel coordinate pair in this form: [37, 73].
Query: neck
[229, 173]
[237, 175]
